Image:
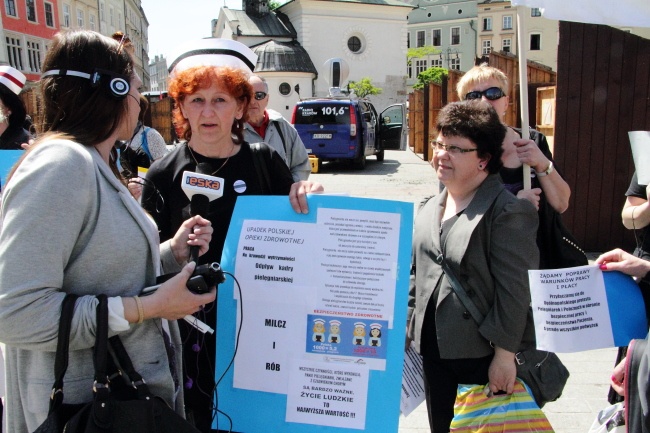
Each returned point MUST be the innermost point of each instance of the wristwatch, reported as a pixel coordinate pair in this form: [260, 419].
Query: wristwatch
[546, 172]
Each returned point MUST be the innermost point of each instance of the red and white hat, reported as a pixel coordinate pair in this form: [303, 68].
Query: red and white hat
[213, 52]
[12, 78]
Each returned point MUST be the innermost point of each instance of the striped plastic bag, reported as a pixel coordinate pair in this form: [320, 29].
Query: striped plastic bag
[475, 412]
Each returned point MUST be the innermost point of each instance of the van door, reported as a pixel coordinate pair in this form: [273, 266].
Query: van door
[392, 132]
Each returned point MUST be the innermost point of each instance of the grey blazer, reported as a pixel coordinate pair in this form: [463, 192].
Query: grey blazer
[490, 248]
[69, 226]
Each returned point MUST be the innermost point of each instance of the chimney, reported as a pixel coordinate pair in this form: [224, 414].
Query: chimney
[256, 8]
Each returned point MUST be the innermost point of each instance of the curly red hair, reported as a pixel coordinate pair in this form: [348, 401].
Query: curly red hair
[187, 82]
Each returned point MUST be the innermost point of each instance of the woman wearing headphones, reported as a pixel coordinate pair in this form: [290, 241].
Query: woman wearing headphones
[69, 225]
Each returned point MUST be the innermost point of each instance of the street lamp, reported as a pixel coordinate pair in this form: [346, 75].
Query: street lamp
[449, 53]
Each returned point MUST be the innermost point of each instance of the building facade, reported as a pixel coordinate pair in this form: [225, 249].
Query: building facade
[447, 26]
[28, 25]
[369, 37]
[158, 74]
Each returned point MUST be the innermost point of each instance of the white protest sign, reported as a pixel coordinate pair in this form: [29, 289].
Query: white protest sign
[327, 394]
[640, 143]
[584, 308]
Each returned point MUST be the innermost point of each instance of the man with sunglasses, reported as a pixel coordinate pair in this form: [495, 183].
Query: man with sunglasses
[270, 127]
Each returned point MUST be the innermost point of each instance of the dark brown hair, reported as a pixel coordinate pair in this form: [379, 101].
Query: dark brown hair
[479, 122]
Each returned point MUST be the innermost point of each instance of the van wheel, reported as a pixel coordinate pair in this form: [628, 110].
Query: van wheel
[380, 155]
[360, 162]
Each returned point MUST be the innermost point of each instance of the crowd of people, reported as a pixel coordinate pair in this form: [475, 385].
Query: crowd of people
[70, 210]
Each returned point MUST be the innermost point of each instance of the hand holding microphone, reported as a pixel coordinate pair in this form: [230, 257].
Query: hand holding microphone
[201, 188]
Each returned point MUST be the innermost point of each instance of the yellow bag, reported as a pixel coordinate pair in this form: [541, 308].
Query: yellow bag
[475, 412]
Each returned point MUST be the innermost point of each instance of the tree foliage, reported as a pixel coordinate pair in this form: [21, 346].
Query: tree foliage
[274, 4]
[431, 75]
[364, 87]
[414, 53]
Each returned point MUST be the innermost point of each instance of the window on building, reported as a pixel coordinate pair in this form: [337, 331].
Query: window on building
[486, 47]
[437, 62]
[408, 39]
[34, 56]
[420, 66]
[535, 12]
[535, 42]
[420, 38]
[31, 10]
[506, 45]
[409, 69]
[10, 8]
[49, 14]
[354, 44]
[487, 23]
[455, 35]
[436, 39]
[101, 11]
[66, 15]
[507, 22]
[80, 18]
[91, 22]
[111, 16]
[454, 63]
[14, 52]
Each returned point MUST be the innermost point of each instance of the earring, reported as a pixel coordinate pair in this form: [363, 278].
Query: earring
[480, 166]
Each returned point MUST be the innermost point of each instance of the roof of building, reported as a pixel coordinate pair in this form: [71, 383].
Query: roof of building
[276, 56]
[271, 25]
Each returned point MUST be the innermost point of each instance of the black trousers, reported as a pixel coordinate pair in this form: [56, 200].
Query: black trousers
[441, 380]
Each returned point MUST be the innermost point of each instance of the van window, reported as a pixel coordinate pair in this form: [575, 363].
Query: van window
[310, 114]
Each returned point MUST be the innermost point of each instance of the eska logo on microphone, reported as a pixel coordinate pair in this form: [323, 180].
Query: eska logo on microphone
[203, 183]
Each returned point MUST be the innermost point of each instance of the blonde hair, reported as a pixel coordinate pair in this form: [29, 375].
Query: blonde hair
[479, 74]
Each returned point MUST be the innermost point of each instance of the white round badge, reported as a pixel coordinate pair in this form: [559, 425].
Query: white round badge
[240, 186]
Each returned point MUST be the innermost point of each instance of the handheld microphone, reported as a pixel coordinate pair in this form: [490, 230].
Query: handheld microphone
[201, 188]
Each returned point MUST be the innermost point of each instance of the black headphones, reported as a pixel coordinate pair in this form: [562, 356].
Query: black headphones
[116, 84]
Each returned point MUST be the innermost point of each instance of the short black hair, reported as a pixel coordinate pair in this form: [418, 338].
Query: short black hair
[479, 122]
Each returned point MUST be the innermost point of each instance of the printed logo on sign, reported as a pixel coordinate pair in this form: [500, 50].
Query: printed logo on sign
[203, 183]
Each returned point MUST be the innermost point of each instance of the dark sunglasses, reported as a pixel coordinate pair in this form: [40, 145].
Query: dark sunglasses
[493, 93]
[260, 95]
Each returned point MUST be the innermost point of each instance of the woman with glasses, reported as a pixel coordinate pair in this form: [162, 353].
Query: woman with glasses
[211, 92]
[549, 193]
[487, 239]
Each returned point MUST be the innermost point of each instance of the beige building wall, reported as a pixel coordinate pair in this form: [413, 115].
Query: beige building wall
[497, 30]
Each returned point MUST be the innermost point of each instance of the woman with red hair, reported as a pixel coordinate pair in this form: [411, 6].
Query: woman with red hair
[211, 102]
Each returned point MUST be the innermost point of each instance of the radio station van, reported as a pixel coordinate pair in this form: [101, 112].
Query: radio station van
[338, 128]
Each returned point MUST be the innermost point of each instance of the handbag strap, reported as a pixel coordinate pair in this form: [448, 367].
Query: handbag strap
[100, 351]
[137, 381]
[62, 347]
[261, 153]
[458, 289]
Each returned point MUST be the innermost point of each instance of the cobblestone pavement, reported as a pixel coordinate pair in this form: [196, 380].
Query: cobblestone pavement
[405, 176]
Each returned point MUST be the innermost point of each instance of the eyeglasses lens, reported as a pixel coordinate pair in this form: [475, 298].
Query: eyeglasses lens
[260, 95]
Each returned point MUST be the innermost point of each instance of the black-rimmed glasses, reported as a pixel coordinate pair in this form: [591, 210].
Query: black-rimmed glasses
[492, 94]
[260, 95]
[454, 150]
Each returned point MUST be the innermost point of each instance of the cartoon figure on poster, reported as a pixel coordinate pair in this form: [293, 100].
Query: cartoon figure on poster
[335, 330]
[319, 331]
[359, 332]
[375, 335]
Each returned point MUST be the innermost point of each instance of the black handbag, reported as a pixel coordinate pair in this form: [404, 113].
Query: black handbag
[558, 247]
[121, 402]
[542, 371]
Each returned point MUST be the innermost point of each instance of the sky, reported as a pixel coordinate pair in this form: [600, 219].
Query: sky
[173, 22]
